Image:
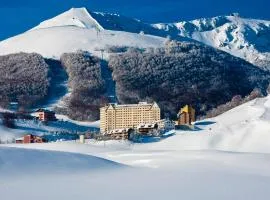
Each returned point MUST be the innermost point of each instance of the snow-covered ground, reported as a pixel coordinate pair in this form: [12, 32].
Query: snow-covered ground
[178, 175]
[226, 158]
[7, 134]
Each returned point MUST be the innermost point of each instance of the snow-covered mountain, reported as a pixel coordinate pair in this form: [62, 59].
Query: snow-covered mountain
[81, 17]
[75, 30]
[79, 29]
[241, 37]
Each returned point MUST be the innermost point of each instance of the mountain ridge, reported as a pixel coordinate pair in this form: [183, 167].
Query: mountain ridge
[242, 37]
[246, 38]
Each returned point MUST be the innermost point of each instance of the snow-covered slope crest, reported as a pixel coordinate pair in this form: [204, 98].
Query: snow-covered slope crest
[49, 162]
[241, 37]
[53, 42]
[78, 17]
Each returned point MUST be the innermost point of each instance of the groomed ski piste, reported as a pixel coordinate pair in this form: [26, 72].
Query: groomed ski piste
[227, 157]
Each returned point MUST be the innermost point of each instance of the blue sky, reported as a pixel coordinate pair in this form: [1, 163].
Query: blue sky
[20, 15]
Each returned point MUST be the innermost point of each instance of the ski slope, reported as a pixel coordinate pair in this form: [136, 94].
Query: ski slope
[72, 31]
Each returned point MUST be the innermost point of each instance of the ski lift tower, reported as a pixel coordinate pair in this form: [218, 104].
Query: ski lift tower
[102, 53]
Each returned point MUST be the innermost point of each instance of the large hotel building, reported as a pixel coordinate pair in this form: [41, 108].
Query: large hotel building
[114, 116]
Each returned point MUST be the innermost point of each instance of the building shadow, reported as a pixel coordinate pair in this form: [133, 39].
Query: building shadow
[204, 123]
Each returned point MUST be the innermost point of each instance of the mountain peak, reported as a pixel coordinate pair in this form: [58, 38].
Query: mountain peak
[78, 17]
[235, 14]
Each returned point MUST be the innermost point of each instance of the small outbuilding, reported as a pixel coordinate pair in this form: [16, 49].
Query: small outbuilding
[82, 139]
[165, 124]
[45, 115]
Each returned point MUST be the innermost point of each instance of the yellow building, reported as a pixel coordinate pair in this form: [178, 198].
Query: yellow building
[114, 116]
[186, 115]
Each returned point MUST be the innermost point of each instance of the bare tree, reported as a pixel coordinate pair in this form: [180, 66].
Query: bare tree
[23, 74]
[8, 120]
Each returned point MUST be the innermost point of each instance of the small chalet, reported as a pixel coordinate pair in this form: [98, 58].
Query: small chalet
[27, 139]
[186, 115]
[45, 115]
[145, 128]
[119, 134]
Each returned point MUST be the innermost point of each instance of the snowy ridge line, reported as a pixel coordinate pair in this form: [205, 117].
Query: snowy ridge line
[88, 14]
[78, 17]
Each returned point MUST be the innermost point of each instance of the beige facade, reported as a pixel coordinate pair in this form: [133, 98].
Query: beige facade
[114, 116]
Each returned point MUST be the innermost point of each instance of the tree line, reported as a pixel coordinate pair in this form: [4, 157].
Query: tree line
[183, 73]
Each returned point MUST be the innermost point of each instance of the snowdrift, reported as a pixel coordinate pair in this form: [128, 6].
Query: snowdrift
[15, 161]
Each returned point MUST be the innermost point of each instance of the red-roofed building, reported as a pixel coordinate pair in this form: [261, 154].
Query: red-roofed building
[27, 139]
